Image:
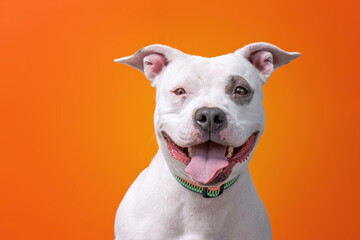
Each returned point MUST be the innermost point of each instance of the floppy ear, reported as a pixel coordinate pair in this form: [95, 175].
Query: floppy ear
[151, 60]
[266, 57]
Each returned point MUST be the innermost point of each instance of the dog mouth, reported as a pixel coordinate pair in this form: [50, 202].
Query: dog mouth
[210, 162]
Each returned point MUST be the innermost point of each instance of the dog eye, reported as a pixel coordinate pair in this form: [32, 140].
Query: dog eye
[241, 91]
[180, 91]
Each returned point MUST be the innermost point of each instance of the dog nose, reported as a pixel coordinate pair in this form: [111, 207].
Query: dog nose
[210, 119]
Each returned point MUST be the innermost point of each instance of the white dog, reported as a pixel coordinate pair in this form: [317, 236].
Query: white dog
[208, 120]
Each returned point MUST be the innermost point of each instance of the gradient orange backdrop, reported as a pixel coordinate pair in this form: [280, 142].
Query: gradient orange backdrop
[77, 128]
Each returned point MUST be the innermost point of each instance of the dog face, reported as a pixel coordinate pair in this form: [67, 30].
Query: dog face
[209, 114]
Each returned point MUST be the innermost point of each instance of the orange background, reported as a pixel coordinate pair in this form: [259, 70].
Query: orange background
[77, 128]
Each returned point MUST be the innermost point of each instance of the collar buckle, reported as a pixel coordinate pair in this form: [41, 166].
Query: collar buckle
[204, 192]
[205, 189]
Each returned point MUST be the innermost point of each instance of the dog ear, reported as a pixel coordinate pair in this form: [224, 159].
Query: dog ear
[266, 57]
[151, 60]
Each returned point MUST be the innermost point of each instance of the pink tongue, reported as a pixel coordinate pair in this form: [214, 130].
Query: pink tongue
[207, 160]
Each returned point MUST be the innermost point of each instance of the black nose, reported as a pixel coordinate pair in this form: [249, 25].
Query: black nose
[210, 119]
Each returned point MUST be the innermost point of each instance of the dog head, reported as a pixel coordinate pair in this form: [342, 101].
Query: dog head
[209, 114]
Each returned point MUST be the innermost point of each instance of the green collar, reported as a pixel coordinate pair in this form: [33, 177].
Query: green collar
[207, 192]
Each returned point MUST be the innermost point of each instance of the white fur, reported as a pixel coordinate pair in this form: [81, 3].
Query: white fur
[156, 206]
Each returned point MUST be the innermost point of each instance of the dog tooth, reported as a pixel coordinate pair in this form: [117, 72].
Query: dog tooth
[189, 151]
[229, 152]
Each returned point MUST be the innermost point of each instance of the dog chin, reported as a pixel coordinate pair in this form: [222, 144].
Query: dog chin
[209, 163]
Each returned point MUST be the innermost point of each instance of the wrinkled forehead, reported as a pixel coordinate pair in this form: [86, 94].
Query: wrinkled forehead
[209, 71]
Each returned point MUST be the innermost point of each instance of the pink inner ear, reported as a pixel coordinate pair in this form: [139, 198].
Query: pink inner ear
[263, 61]
[153, 64]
